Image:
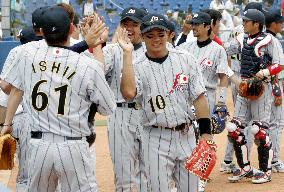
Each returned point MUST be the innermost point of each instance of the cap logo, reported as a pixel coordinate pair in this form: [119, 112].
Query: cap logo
[53, 29]
[154, 18]
[195, 15]
[245, 12]
[132, 11]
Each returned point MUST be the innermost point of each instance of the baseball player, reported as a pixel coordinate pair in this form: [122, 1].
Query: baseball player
[274, 22]
[212, 60]
[58, 87]
[238, 34]
[260, 57]
[165, 83]
[124, 126]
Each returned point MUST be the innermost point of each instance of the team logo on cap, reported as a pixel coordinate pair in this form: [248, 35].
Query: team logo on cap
[245, 12]
[131, 11]
[154, 18]
[53, 29]
[195, 15]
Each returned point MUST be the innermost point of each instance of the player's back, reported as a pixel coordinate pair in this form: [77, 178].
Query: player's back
[57, 85]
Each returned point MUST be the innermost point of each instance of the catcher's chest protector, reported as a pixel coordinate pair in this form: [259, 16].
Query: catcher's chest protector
[252, 60]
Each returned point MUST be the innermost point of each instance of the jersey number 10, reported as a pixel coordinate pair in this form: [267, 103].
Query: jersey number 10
[61, 102]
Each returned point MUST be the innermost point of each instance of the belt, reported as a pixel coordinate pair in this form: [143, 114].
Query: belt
[38, 135]
[127, 105]
[177, 128]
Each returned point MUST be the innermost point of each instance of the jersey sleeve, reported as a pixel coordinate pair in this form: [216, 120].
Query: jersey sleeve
[275, 50]
[196, 84]
[233, 47]
[99, 91]
[222, 66]
[109, 52]
[10, 72]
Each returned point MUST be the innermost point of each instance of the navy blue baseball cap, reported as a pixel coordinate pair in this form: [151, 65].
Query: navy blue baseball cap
[37, 19]
[56, 20]
[133, 13]
[201, 18]
[26, 35]
[273, 16]
[254, 5]
[171, 26]
[254, 15]
[152, 21]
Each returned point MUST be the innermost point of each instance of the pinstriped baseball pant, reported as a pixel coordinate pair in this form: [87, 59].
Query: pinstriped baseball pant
[165, 152]
[276, 126]
[54, 159]
[257, 110]
[125, 145]
[21, 131]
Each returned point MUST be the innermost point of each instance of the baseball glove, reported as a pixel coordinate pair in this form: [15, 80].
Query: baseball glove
[276, 92]
[7, 152]
[219, 118]
[251, 88]
[202, 160]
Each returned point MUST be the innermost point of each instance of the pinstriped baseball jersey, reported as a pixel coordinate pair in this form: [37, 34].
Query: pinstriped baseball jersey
[165, 91]
[59, 86]
[212, 59]
[113, 54]
[270, 46]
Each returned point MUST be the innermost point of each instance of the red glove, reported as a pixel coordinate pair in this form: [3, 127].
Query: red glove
[202, 160]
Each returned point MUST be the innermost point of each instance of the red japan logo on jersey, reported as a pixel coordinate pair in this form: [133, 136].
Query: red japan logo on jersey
[180, 82]
[206, 63]
[57, 51]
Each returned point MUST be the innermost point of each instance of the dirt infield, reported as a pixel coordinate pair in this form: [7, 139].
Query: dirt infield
[219, 182]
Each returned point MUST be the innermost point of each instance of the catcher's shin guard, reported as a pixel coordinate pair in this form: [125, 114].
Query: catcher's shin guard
[239, 142]
[265, 152]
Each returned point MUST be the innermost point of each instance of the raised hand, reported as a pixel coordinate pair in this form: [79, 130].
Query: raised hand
[123, 40]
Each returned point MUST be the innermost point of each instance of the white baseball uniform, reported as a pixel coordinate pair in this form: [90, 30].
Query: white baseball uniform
[124, 126]
[59, 86]
[165, 91]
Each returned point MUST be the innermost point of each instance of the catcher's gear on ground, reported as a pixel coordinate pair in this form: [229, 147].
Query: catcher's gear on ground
[202, 160]
[251, 88]
[91, 138]
[219, 118]
[7, 152]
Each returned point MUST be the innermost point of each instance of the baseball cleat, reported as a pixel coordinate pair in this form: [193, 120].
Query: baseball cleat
[228, 168]
[239, 174]
[201, 185]
[278, 167]
[260, 178]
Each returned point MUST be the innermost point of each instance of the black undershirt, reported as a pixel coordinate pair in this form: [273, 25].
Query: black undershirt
[255, 35]
[137, 46]
[274, 34]
[158, 60]
[201, 44]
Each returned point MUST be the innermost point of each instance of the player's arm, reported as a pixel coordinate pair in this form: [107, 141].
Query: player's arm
[128, 84]
[202, 113]
[222, 71]
[6, 87]
[14, 100]
[196, 93]
[274, 49]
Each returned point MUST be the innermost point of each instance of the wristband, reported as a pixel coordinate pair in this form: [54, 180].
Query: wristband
[204, 125]
[230, 72]
[274, 69]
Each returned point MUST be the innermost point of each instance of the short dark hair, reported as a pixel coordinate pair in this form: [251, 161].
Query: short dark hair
[214, 14]
[260, 27]
[56, 39]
